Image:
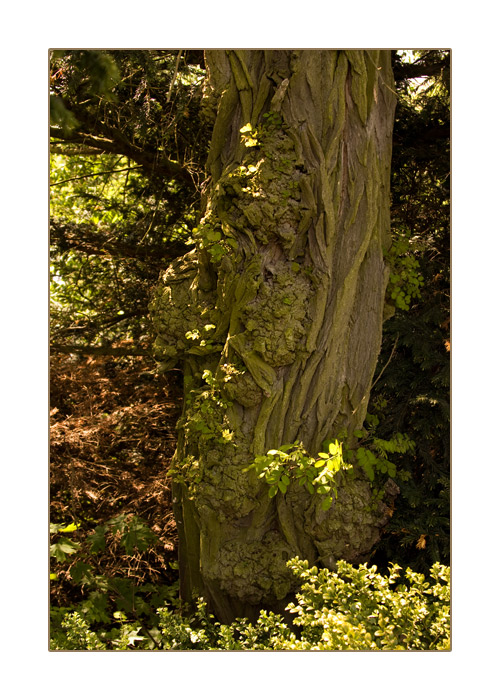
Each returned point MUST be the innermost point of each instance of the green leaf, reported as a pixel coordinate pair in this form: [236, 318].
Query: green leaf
[54, 527]
[273, 491]
[326, 503]
[282, 487]
[216, 251]
[213, 236]
[98, 539]
[133, 636]
[63, 548]
[80, 571]
[361, 455]
[118, 523]
[324, 455]
[372, 420]
[368, 469]
[273, 477]
[333, 464]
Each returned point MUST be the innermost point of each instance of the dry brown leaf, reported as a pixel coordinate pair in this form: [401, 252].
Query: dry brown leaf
[421, 542]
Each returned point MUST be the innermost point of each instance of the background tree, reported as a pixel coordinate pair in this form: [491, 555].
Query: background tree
[117, 220]
[412, 395]
[127, 152]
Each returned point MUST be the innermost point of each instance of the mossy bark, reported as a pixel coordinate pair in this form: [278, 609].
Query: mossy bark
[277, 313]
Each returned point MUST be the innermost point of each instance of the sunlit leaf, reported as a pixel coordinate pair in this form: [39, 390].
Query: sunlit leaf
[63, 548]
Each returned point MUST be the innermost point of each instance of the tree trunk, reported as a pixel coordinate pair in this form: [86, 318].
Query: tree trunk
[277, 314]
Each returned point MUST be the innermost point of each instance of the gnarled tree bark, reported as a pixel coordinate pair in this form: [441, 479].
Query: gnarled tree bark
[277, 314]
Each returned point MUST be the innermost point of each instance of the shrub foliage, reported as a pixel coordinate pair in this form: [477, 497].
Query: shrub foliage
[354, 608]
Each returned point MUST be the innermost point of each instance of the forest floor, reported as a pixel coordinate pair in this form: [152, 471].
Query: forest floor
[112, 438]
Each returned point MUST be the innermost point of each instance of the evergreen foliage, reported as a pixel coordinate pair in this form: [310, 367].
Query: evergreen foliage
[412, 395]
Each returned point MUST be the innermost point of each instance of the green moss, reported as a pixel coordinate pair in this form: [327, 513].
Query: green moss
[183, 317]
[351, 527]
[261, 194]
[262, 373]
[255, 572]
[277, 319]
[245, 390]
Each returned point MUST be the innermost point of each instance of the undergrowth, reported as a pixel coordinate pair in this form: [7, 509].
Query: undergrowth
[354, 608]
[112, 436]
[114, 579]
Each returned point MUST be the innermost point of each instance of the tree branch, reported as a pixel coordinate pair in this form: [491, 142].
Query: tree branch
[99, 350]
[385, 366]
[102, 172]
[120, 146]
[75, 151]
[66, 234]
[405, 71]
[380, 374]
[107, 323]
[174, 76]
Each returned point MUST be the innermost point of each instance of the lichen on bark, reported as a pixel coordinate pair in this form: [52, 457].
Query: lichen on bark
[282, 303]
